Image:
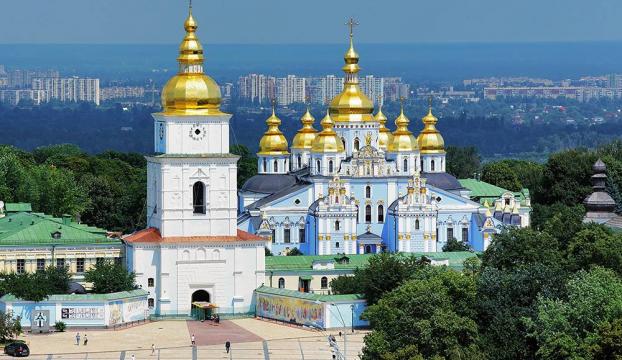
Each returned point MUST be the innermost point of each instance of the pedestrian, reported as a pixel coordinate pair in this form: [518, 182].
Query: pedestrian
[133, 357]
[192, 339]
[77, 338]
[85, 340]
[227, 346]
[152, 349]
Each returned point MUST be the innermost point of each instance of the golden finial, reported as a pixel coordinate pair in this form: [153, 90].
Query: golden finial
[351, 24]
[273, 102]
[402, 104]
[430, 102]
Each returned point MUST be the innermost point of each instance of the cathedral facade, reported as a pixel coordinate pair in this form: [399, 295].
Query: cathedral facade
[355, 187]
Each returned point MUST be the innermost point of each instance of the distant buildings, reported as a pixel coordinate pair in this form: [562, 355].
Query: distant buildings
[554, 92]
[121, 92]
[72, 89]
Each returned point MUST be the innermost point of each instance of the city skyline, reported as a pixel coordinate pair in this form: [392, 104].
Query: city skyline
[397, 21]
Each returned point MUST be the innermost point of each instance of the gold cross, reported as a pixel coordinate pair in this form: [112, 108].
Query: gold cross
[352, 23]
[402, 101]
[190, 5]
[430, 101]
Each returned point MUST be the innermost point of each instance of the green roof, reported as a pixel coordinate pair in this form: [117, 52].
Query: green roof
[308, 296]
[17, 207]
[483, 191]
[26, 228]
[86, 297]
[305, 263]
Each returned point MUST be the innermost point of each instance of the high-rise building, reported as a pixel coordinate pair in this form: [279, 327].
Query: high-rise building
[69, 89]
[373, 87]
[290, 89]
[331, 86]
[394, 89]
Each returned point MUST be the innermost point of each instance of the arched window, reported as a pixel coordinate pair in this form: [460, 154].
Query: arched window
[417, 224]
[343, 141]
[432, 165]
[367, 249]
[357, 213]
[265, 165]
[281, 283]
[276, 166]
[356, 144]
[317, 165]
[368, 213]
[330, 166]
[368, 191]
[198, 197]
[150, 282]
[299, 161]
[380, 214]
[337, 244]
[337, 225]
[150, 303]
[405, 165]
[324, 282]
[421, 165]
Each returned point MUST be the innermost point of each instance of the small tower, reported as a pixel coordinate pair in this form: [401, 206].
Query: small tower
[327, 151]
[599, 204]
[303, 142]
[403, 149]
[273, 155]
[431, 144]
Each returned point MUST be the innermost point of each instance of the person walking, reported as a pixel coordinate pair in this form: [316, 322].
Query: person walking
[133, 357]
[152, 349]
[86, 340]
[78, 339]
[192, 340]
[227, 346]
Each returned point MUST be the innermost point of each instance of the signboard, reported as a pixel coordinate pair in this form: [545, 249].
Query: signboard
[290, 309]
[134, 310]
[40, 321]
[82, 313]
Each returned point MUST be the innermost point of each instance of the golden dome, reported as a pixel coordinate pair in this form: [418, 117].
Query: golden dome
[403, 139]
[191, 92]
[430, 140]
[385, 138]
[306, 135]
[352, 105]
[327, 141]
[273, 142]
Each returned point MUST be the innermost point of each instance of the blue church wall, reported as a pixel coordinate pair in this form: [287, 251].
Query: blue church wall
[476, 240]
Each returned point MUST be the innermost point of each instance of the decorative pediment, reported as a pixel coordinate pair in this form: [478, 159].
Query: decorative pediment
[198, 174]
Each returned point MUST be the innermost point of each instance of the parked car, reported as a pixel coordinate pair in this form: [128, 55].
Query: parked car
[17, 349]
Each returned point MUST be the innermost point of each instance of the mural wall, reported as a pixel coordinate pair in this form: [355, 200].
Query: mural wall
[290, 309]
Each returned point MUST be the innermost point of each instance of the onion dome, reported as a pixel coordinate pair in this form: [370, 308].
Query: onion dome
[306, 135]
[403, 139]
[327, 141]
[273, 142]
[430, 139]
[352, 105]
[385, 138]
[191, 92]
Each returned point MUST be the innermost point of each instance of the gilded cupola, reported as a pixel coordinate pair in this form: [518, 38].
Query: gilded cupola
[385, 138]
[191, 92]
[403, 139]
[306, 135]
[327, 141]
[352, 105]
[430, 140]
[273, 142]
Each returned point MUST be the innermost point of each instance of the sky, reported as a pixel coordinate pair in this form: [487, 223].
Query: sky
[309, 21]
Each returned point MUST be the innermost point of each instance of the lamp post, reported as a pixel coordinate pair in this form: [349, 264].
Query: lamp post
[352, 313]
[345, 333]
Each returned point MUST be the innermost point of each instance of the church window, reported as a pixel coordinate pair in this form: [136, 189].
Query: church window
[357, 213]
[198, 197]
[380, 214]
[465, 234]
[216, 255]
[281, 283]
[421, 165]
[317, 166]
[299, 161]
[343, 141]
[80, 265]
[276, 166]
[368, 213]
[450, 233]
[301, 236]
[337, 245]
[405, 165]
[330, 166]
[432, 165]
[273, 236]
[356, 144]
[417, 224]
[150, 303]
[265, 165]
[507, 201]
[367, 249]
[287, 233]
[40, 265]
[21, 266]
[150, 282]
[324, 282]
[337, 225]
[368, 191]
[297, 201]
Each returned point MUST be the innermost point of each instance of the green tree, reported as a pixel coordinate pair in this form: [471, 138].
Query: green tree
[345, 285]
[462, 162]
[453, 245]
[247, 165]
[596, 245]
[502, 175]
[9, 327]
[108, 277]
[515, 247]
[294, 252]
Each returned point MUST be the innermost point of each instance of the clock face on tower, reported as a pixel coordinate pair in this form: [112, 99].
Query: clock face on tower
[197, 132]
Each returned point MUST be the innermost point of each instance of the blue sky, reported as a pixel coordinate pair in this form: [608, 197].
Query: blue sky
[309, 21]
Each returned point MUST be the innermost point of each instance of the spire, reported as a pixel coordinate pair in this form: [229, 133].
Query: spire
[430, 139]
[351, 57]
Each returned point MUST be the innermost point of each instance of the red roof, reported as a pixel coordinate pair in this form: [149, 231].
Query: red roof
[152, 235]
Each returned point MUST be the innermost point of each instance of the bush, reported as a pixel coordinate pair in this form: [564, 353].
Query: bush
[60, 326]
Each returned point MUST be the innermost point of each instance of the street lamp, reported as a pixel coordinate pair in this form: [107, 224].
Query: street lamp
[352, 312]
[345, 333]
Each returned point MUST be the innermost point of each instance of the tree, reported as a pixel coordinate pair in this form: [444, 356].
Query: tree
[294, 252]
[108, 277]
[453, 245]
[247, 165]
[431, 315]
[462, 162]
[502, 175]
[9, 326]
[345, 285]
[267, 252]
[515, 247]
[36, 286]
[595, 245]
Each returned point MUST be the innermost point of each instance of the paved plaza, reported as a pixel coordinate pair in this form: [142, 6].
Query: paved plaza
[250, 339]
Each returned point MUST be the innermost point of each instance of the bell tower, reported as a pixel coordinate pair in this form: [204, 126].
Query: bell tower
[191, 176]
